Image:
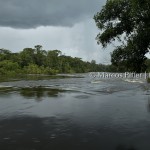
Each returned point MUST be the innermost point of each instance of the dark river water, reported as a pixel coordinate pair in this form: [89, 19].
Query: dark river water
[75, 113]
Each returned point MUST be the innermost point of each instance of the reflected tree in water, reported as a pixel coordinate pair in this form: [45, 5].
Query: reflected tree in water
[148, 104]
[39, 92]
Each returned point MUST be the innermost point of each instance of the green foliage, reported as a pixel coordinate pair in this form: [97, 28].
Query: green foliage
[147, 63]
[39, 61]
[33, 69]
[126, 58]
[129, 19]
[148, 80]
[52, 59]
[8, 67]
[4, 54]
[27, 56]
[50, 71]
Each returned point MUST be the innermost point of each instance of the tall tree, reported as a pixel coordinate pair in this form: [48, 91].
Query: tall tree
[27, 56]
[40, 55]
[129, 22]
[5, 54]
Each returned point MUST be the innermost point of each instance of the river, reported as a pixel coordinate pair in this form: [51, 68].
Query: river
[74, 113]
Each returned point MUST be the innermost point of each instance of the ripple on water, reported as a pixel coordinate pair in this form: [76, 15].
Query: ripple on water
[112, 115]
[82, 96]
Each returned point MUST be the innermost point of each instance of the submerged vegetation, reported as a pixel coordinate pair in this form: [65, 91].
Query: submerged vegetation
[38, 61]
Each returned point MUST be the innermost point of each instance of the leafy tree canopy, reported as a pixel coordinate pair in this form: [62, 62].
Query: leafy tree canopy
[38, 61]
[129, 22]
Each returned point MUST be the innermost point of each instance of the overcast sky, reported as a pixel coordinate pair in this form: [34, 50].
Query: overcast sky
[66, 25]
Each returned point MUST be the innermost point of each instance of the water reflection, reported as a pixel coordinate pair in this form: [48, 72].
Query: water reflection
[33, 92]
[6, 89]
[148, 104]
[39, 92]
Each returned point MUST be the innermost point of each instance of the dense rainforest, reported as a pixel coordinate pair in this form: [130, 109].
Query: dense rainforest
[38, 61]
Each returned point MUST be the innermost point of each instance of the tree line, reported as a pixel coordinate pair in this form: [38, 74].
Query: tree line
[38, 61]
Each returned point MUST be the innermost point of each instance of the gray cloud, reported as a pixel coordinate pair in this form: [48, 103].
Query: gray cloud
[66, 25]
[34, 13]
[76, 41]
